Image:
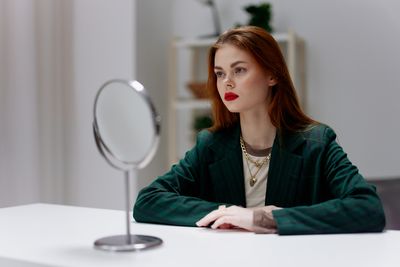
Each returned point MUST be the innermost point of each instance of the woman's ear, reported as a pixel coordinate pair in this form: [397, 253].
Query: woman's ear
[272, 81]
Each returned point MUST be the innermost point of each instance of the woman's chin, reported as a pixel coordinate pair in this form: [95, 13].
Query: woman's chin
[232, 108]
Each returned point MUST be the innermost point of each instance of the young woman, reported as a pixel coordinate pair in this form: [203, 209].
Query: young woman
[264, 166]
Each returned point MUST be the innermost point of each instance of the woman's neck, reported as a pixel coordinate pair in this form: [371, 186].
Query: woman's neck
[257, 130]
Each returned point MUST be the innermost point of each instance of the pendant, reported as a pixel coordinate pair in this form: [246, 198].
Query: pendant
[253, 180]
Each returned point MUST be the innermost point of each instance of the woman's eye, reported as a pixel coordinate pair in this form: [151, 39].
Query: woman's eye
[240, 70]
[219, 74]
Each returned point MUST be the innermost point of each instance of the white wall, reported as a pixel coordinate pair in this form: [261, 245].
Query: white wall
[19, 133]
[352, 67]
[125, 39]
[353, 75]
[153, 36]
[102, 35]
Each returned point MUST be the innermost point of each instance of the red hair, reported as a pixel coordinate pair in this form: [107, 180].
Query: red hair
[284, 108]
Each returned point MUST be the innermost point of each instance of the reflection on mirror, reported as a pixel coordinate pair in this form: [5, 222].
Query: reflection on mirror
[126, 129]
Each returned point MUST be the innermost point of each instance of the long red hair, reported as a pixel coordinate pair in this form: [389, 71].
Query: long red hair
[284, 109]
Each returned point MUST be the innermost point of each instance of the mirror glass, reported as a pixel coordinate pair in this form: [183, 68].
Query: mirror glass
[127, 124]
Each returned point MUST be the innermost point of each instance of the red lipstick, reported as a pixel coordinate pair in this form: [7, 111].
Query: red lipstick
[230, 96]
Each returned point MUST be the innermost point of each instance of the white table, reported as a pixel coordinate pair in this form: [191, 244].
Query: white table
[55, 235]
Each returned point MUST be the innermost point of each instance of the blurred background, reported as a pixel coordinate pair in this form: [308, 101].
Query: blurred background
[55, 55]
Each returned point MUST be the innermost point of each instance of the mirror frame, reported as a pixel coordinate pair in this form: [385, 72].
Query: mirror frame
[106, 152]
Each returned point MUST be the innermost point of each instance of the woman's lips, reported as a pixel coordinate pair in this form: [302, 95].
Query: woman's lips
[230, 96]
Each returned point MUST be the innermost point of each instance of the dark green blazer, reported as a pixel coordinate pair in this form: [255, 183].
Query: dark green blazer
[310, 177]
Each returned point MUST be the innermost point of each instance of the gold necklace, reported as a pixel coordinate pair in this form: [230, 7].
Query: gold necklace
[258, 164]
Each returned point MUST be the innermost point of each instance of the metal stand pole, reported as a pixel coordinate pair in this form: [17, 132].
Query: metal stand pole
[127, 207]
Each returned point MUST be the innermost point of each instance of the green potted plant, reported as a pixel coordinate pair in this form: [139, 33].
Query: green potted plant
[260, 15]
[201, 122]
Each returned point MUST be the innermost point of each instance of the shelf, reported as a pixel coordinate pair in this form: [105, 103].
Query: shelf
[195, 42]
[192, 104]
[207, 42]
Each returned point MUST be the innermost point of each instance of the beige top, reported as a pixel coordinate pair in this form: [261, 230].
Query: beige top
[255, 195]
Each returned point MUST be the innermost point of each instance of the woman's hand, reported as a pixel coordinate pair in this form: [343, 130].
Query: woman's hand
[258, 220]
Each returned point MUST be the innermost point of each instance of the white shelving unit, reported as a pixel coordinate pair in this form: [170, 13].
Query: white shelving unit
[193, 65]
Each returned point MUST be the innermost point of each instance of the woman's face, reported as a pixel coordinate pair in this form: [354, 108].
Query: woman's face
[242, 84]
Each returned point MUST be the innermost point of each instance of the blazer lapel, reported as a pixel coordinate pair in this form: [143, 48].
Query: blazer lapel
[227, 170]
[284, 172]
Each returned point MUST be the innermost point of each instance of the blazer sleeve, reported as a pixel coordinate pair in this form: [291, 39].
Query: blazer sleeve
[355, 206]
[173, 197]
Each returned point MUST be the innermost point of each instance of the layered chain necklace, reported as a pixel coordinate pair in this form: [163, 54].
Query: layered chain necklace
[258, 163]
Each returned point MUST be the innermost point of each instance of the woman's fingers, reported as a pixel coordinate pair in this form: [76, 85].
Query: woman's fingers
[211, 217]
[238, 217]
[228, 217]
[221, 222]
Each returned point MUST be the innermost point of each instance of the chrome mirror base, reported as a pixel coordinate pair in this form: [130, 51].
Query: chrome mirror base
[126, 242]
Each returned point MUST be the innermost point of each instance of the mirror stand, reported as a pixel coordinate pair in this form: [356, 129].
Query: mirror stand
[127, 242]
[126, 129]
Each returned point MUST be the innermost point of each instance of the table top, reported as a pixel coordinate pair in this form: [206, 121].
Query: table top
[56, 235]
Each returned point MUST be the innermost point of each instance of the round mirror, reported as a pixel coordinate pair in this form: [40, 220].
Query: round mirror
[126, 129]
[126, 125]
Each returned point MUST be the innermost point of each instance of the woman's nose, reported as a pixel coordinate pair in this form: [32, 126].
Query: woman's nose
[228, 82]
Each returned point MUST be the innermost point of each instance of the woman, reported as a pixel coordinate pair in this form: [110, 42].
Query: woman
[264, 166]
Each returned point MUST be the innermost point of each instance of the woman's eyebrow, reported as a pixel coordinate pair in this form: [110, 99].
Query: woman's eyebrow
[232, 65]
[237, 62]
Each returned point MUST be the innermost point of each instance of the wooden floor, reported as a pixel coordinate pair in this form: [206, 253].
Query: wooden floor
[389, 192]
